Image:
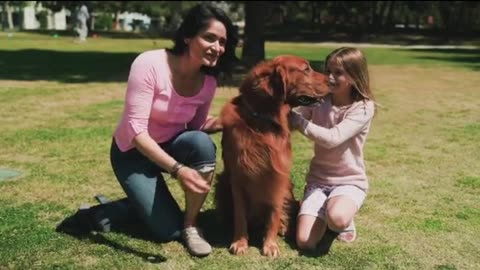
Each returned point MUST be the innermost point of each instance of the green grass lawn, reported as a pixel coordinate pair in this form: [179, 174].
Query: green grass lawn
[60, 101]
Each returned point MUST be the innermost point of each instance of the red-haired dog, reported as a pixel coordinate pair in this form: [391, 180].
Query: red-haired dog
[255, 186]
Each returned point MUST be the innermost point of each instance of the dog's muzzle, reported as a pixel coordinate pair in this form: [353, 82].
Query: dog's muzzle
[304, 101]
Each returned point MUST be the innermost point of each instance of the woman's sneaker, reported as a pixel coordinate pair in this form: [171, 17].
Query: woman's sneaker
[195, 243]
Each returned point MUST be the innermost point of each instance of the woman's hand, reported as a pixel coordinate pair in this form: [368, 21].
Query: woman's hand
[192, 181]
[212, 125]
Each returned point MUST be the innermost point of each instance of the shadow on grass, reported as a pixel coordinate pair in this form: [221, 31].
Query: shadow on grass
[289, 32]
[79, 226]
[83, 66]
[89, 223]
[76, 66]
[220, 235]
[467, 57]
[63, 66]
[98, 238]
[317, 65]
[323, 247]
[215, 232]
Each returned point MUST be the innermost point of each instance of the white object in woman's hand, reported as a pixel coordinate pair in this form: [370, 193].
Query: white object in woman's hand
[192, 181]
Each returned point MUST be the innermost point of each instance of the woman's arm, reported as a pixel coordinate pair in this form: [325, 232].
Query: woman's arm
[212, 125]
[205, 122]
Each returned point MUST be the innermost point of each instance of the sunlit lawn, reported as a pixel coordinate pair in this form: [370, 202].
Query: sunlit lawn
[60, 101]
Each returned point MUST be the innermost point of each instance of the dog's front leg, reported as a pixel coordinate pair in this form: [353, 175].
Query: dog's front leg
[270, 246]
[239, 245]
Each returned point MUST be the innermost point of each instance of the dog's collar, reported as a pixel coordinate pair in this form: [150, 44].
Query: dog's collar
[304, 100]
[255, 114]
[307, 100]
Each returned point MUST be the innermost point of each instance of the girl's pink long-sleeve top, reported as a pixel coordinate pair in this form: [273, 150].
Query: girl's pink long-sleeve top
[339, 134]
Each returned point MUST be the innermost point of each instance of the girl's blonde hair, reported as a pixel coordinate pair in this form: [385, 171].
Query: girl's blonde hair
[354, 63]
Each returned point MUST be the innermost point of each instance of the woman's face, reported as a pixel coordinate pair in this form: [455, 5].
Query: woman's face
[208, 45]
[338, 79]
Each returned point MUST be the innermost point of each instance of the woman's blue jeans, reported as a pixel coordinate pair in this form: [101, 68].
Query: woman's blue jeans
[142, 180]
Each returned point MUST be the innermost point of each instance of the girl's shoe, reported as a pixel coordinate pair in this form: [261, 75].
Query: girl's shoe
[349, 234]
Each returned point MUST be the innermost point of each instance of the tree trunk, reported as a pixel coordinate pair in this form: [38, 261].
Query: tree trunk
[314, 18]
[444, 8]
[383, 11]
[92, 21]
[389, 17]
[7, 21]
[254, 33]
[116, 25]
[3, 16]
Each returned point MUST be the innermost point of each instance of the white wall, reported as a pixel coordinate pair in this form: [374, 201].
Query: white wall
[55, 21]
[29, 20]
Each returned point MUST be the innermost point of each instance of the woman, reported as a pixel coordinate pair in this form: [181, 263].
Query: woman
[165, 123]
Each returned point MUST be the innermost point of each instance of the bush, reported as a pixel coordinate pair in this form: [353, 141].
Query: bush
[104, 22]
[42, 18]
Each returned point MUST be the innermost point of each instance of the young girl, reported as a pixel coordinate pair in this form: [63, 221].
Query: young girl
[336, 182]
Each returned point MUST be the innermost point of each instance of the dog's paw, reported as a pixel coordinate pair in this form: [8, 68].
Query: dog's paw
[239, 247]
[270, 249]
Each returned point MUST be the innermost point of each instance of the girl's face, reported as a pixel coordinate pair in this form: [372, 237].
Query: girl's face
[340, 82]
[208, 45]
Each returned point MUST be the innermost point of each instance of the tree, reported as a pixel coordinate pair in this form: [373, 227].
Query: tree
[170, 11]
[115, 7]
[254, 34]
[6, 16]
[56, 6]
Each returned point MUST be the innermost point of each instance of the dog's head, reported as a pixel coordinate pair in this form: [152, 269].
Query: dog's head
[286, 79]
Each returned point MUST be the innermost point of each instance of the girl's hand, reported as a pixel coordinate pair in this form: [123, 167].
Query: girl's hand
[294, 119]
[192, 181]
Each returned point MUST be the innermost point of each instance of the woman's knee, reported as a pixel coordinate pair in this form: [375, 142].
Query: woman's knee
[200, 141]
[196, 146]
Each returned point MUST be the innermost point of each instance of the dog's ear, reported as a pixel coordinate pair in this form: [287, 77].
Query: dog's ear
[279, 81]
[258, 81]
